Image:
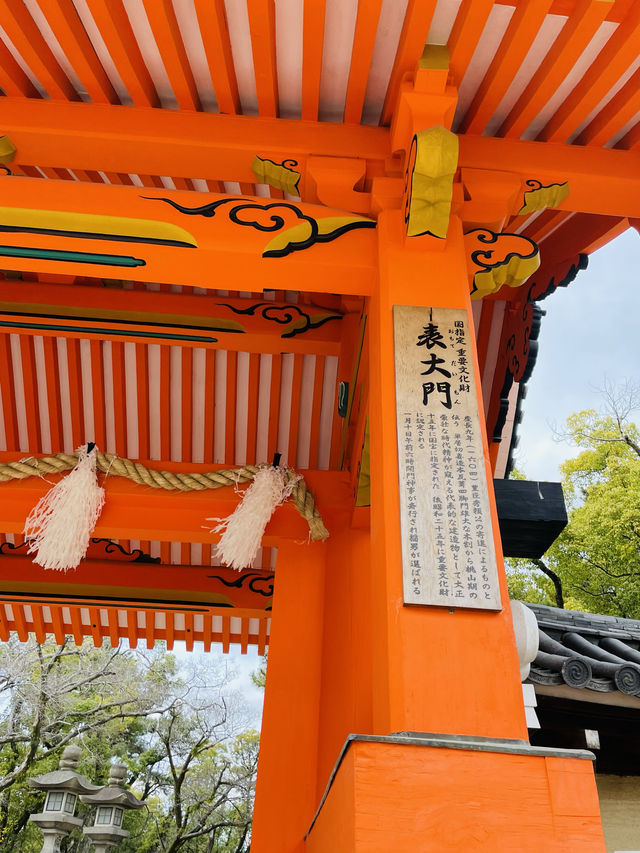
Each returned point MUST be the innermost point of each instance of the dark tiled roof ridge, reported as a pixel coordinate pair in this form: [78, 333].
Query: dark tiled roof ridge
[586, 650]
[591, 623]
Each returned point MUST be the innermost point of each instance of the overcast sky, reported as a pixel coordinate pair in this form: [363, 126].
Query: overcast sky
[591, 331]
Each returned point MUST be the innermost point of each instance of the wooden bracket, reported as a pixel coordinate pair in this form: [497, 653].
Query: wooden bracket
[337, 181]
[491, 197]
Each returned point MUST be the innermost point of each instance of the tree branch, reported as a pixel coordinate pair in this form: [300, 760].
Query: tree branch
[557, 582]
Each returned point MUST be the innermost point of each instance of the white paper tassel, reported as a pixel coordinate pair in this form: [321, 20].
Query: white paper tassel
[60, 525]
[244, 529]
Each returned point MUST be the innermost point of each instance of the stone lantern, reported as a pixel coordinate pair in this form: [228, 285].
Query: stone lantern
[63, 786]
[111, 802]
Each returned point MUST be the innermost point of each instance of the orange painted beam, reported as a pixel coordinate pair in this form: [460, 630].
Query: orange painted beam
[140, 512]
[221, 239]
[125, 139]
[178, 314]
[161, 142]
[587, 169]
[108, 580]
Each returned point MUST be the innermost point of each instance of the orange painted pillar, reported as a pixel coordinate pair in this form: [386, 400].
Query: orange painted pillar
[437, 669]
[287, 767]
[347, 664]
[447, 765]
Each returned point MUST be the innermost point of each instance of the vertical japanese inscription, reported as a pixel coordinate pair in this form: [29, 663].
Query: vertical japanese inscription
[448, 555]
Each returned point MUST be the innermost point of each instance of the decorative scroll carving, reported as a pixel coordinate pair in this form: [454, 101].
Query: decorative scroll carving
[431, 166]
[539, 196]
[282, 176]
[136, 555]
[259, 582]
[510, 260]
[108, 546]
[297, 321]
[10, 547]
[273, 216]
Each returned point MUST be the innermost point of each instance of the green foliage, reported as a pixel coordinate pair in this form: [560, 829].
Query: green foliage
[179, 732]
[259, 677]
[597, 557]
[527, 584]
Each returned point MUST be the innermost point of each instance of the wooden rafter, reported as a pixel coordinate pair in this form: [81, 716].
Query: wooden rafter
[312, 41]
[72, 36]
[262, 25]
[85, 617]
[361, 55]
[561, 57]
[613, 117]
[164, 25]
[522, 30]
[470, 20]
[117, 34]
[607, 68]
[413, 38]
[27, 38]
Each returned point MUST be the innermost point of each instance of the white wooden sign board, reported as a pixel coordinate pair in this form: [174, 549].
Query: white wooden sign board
[448, 555]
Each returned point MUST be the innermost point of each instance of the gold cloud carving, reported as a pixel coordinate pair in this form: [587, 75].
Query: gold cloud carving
[496, 260]
[540, 197]
[279, 175]
[431, 166]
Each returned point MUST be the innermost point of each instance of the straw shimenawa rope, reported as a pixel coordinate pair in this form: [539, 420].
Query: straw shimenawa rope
[183, 482]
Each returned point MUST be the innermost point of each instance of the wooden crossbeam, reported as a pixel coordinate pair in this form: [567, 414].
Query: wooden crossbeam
[140, 512]
[190, 321]
[149, 584]
[122, 140]
[165, 142]
[177, 238]
[602, 181]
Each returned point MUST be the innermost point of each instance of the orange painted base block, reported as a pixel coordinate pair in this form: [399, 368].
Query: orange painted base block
[440, 793]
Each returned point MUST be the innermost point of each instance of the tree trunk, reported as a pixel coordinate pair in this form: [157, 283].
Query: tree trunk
[557, 583]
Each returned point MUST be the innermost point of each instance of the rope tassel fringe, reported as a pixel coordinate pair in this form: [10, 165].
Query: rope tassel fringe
[243, 530]
[59, 527]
